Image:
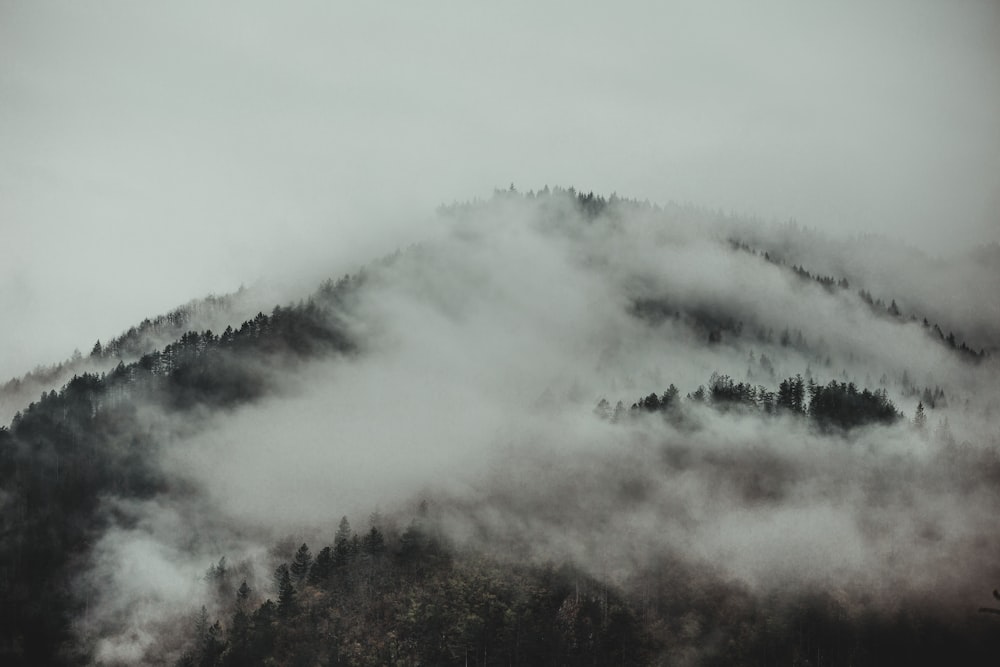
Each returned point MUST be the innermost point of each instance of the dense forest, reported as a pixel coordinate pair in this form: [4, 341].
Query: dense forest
[672, 528]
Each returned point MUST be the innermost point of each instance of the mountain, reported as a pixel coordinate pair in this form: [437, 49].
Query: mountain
[211, 312]
[567, 429]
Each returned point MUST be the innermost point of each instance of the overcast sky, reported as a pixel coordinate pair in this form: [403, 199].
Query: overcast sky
[152, 155]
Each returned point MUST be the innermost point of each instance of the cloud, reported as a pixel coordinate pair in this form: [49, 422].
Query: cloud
[482, 354]
[154, 157]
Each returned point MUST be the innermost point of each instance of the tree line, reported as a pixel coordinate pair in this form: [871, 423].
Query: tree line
[877, 305]
[385, 597]
[65, 452]
[835, 405]
[412, 597]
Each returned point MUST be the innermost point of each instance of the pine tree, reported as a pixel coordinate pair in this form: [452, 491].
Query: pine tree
[785, 399]
[669, 398]
[286, 591]
[243, 597]
[343, 551]
[201, 629]
[920, 418]
[215, 646]
[322, 567]
[240, 629]
[373, 543]
[301, 564]
[798, 394]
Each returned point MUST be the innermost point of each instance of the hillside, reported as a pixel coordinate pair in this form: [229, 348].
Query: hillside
[564, 429]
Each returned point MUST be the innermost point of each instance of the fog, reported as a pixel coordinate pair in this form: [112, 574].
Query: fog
[148, 157]
[153, 156]
[483, 352]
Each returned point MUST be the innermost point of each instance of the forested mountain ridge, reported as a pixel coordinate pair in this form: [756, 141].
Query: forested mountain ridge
[890, 269]
[788, 513]
[209, 313]
[877, 305]
[62, 454]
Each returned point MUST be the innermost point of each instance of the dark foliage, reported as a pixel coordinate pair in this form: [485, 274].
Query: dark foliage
[69, 450]
[842, 405]
[426, 603]
[838, 405]
[379, 597]
[417, 601]
[877, 305]
[709, 325]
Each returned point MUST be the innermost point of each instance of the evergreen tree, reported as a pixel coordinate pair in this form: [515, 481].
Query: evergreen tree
[669, 398]
[784, 398]
[301, 563]
[322, 567]
[410, 543]
[286, 591]
[243, 596]
[343, 551]
[798, 389]
[201, 626]
[240, 629]
[214, 647]
[373, 543]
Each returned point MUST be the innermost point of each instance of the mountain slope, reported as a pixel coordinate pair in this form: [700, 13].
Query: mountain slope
[771, 487]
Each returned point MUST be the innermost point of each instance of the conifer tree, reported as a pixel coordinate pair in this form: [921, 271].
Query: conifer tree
[322, 567]
[286, 591]
[920, 418]
[373, 543]
[301, 564]
[343, 550]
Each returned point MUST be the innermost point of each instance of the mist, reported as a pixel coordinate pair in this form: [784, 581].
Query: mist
[152, 157]
[483, 352]
[220, 161]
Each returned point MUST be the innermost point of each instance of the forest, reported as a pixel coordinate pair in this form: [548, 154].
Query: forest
[475, 451]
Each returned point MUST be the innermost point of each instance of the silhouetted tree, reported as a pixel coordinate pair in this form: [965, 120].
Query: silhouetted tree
[920, 418]
[322, 567]
[287, 603]
[373, 543]
[343, 551]
[300, 564]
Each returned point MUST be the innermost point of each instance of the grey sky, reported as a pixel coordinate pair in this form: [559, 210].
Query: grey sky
[148, 156]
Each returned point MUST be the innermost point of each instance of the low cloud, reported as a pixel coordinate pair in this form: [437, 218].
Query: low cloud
[482, 354]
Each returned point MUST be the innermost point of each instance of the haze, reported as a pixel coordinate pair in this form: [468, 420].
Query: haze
[148, 157]
[480, 357]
